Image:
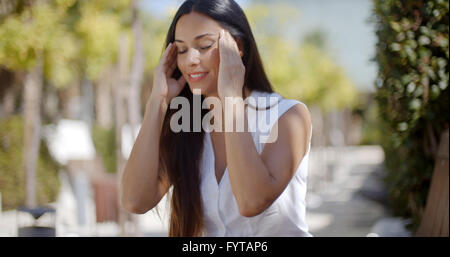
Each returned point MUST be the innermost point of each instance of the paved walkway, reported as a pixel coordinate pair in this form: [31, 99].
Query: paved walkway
[345, 198]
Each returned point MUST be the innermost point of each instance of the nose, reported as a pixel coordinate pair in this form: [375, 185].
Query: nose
[193, 57]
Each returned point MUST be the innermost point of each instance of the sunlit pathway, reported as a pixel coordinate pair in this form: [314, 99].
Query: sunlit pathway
[346, 192]
[344, 198]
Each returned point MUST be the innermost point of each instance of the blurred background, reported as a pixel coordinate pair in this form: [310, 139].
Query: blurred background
[75, 77]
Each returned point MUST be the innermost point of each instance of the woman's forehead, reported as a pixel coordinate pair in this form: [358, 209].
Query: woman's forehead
[194, 24]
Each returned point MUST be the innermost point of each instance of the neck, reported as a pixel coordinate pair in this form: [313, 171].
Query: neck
[216, 94]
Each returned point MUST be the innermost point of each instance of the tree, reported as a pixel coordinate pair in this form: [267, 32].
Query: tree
[99, 27]
[41, 56]
[137, 71]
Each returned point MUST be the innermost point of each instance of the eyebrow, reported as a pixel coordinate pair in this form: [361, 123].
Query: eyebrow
[196, 38]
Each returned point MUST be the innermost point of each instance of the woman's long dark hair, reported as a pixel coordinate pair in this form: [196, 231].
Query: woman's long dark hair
[181, 153]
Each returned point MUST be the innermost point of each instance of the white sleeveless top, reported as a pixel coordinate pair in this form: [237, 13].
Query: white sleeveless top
[286, 215]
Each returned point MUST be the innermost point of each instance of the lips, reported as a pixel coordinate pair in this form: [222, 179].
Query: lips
[197, 76]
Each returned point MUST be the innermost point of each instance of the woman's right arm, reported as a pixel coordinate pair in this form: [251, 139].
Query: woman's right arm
[141, 190]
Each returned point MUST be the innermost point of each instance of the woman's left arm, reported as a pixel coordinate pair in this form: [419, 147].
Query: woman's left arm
[257, 180]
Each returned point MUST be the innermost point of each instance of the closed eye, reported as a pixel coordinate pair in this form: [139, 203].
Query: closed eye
[202, 48]
[206, 47]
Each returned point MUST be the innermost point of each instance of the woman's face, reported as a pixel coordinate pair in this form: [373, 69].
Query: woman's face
[196, 37]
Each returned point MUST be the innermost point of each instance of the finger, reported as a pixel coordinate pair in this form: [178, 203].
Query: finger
[164, 60]
[228, 40]
[220, 41]
[233, 52]
[219, 46]
[171, 68]
[166, 52]
[232, 43]
[227, 55]
[171, 63]
[170, 55]
[229, 52]
[223, 47]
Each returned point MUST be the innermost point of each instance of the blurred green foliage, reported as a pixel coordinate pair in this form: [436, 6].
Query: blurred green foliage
[302, 71]
[80, 38]
[99, 26]
[12, 175]
[155, 32]
[105, 145]
[40, 32]
[298, 71]
[372, 129]
[73, 37]
[412, 94]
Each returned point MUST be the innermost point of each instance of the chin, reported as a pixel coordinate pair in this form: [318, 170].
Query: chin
[205, 90]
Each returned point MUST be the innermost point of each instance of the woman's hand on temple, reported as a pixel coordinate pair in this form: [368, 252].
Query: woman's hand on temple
[231, 68]
[164, 86]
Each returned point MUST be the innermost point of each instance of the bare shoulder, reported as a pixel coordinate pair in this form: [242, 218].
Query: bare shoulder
[297, 118]
[293, 127]
[294, 133]
[291, 144]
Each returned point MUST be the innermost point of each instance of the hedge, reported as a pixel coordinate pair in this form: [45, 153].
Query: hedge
[105, 144]
[412, 96]
[12, 174]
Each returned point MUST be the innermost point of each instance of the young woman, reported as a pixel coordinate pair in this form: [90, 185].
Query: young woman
[224, 183]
